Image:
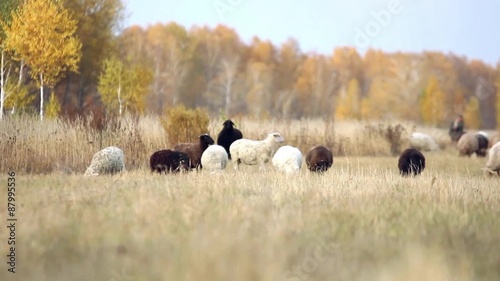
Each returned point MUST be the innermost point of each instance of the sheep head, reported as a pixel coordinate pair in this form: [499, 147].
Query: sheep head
[228, 124]
[276, 137]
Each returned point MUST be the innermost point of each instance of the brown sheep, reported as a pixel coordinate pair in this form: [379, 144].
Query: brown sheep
[467, 144]
[195, 150]
[494, 138]
[168, 161]
[319, 159]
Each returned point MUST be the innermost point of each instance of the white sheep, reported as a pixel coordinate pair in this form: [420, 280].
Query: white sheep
[493, 164]
[423, 142]
[109, 160]
[287, 159]
[214, 158]
[253, 152]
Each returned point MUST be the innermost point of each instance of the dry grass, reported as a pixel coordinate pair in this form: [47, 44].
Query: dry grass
[359, 221]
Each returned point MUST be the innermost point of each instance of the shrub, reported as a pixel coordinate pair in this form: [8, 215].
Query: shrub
[184, 125]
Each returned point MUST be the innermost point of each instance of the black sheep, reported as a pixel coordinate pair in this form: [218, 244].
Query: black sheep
[228, 135]
[411, 162]
[195, 150]
[482, 145]
[168, 161]
[319, 159]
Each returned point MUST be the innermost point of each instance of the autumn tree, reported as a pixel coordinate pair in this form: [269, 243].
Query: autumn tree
[349, 105]
[6, 8]
[123, 86]
[42, 34]
[432, 103]
[98, 22]
[472, 115]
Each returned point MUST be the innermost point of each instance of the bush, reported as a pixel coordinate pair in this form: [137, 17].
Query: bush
[184, 125]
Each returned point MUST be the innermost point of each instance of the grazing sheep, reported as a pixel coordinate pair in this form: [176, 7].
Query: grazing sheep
[168, 161]
[253, 152]
[109, 160]
[411, 162]
[228, 135]
[195, 150]
[467, 144]
[287, 159]
[214, 158]
[423, 142]
[482, 144]
[319, 159]
[493, 164]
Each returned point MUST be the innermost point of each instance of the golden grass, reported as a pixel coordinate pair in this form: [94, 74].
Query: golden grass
[359, 221]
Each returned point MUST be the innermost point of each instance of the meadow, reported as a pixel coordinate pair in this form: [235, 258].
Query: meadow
[358, 221]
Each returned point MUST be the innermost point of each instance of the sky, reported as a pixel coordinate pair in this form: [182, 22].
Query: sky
[462, 27]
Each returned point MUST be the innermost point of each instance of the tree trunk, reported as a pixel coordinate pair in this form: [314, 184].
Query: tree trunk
[2, 86]
[41, 97]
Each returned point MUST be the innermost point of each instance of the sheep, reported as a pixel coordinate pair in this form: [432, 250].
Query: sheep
[195, 150]
[482, 144]
[423, 142]
[253, 152]
[411, 162]
[168, 161]
[493, 164]
[228, 135]
[214, 158]
[109, 160]
[467, 144]
[319, 159]
[287, 159]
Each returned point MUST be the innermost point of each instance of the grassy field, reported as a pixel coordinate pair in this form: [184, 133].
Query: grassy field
[359, 221]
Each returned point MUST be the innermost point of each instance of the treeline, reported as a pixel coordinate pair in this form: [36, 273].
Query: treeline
[139, 70]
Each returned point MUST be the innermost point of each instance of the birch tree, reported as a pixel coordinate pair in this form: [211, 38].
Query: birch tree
[42, 34]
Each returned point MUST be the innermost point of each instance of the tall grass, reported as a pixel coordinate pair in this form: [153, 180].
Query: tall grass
[30, 146]
[359, 221]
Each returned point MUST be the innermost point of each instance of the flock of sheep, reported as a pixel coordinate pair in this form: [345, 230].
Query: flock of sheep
[214, 156]
[479, 143]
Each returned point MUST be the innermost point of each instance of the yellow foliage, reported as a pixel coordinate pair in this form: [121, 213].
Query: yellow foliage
[472, 115]
[349, 106]
[42, 34]
[53, 107]
[432, 103]
[184, 125]
[18, 96]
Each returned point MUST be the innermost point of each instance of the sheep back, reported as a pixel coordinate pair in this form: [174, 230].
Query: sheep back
[467, 144]
[319, 159]
[168, 161]
[253, 152]
[228, 135]
[109, 160]
[423, 142]
[287, 159]
[195, 150]
[493, 164]
[214, 158]
[411, 162]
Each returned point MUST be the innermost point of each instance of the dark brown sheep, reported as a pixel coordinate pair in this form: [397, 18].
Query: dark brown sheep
[319, 159]
[228, 135]
[195, 150]
[169, 161]
[411, 162]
